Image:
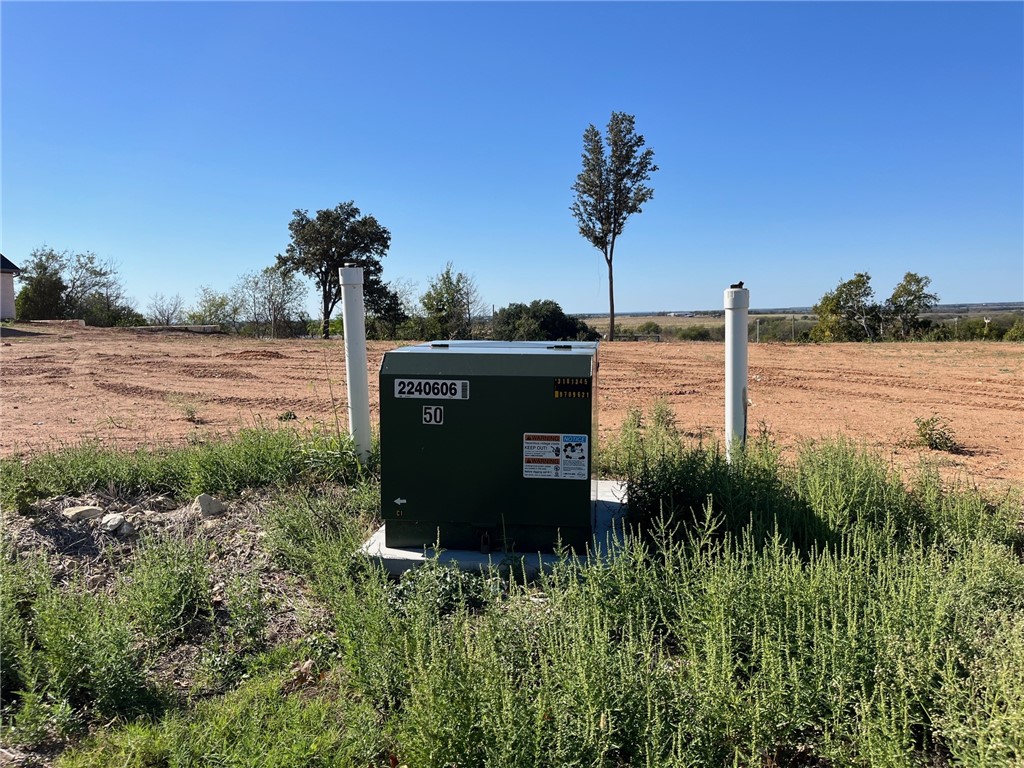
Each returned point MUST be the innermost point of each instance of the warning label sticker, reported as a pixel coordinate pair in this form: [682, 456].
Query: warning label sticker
[561, 457]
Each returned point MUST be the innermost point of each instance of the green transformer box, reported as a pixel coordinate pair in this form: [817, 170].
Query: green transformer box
[487, 445]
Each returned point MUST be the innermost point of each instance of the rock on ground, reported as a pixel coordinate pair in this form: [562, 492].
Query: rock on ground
[86, 512]
[208, 506]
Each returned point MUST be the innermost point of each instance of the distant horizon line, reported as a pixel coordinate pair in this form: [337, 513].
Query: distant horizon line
[1008, 306]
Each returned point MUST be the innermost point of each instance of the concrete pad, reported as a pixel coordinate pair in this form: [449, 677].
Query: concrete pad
[609, 511]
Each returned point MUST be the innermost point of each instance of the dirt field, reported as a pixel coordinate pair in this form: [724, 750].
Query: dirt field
[64, 384]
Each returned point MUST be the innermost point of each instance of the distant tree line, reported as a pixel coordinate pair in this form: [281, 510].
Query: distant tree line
[850, 312]
[1005, 326]
[61, 285]
[270, 302]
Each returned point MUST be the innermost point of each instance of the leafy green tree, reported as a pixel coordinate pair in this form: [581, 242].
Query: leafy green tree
[541, 320]
[390, 313]
[610, 188]
[41, 295]
[88, 278]
[449, 305]
[848, 313]
[60, 285]
[831, 325]
[334, 237]
[109, 307]
[214, 308]
[910, 299]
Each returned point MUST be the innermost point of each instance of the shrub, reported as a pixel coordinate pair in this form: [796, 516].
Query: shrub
[648, 327]
[699, 333]
[541, 320]
[936, 434]
[1016, 331]
[85, 656]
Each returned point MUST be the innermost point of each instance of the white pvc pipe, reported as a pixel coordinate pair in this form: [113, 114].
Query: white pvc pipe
[353, 316]
[737, 302]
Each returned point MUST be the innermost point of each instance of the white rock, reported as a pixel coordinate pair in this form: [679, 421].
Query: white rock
[111, 523]
[208, 506]
[74, 514]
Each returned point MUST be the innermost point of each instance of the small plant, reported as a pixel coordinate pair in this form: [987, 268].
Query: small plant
[188, 408]
[287, 416]
[247, 631]
[935, 433]
[24, 491]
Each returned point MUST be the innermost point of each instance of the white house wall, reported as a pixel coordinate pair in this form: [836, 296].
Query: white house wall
[6, 296]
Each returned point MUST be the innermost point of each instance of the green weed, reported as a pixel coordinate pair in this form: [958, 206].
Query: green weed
[166, 590]
[936, 434]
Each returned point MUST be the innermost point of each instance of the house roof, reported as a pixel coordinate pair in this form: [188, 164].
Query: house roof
[6, 265]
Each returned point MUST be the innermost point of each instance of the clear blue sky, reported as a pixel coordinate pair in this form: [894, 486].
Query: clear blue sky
[798, 142]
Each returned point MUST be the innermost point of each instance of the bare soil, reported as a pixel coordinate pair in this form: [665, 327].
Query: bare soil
[61, 385]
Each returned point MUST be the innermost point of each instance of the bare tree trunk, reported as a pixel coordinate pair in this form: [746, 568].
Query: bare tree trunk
[325, 326]
[611, 302]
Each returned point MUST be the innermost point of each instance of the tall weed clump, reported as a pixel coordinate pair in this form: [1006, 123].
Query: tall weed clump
[70, 658]
[318, 537]
[73, 656]
[166, 589]
[666, 478]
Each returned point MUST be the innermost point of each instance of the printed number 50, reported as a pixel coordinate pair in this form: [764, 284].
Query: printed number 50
[433, 414]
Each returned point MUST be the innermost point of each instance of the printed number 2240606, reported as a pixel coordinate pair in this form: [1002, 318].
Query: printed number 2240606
[432, 388]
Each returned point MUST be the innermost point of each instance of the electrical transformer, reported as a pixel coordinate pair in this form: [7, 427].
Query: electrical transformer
[488, 445]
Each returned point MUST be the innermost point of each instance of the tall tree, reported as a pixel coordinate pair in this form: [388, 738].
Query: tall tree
[848, 313]
[41, 295]
[390, 313]
[58, 285]
[335, 237]
[87, 278]
[214, 308]
[165, 310]
[269, 301]
[611, 188]
[909, 300]
[450, 303]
